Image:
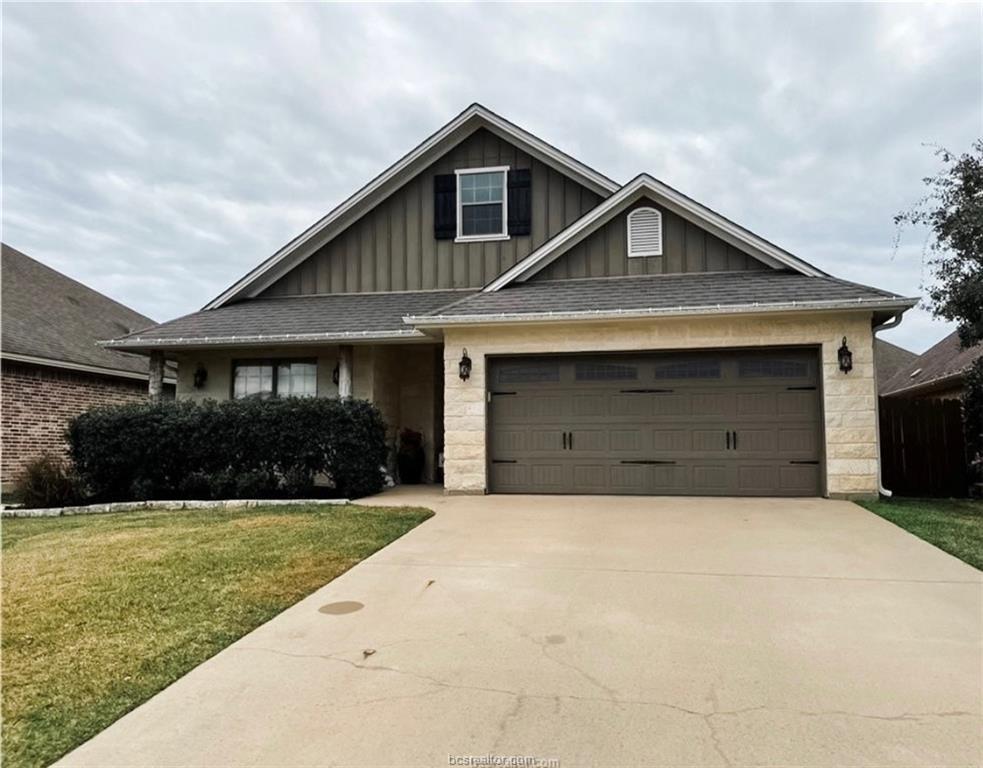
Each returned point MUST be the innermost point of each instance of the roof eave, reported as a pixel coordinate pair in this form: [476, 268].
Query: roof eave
[938, 382]
[261, 340]
[68, 365]
[425, 321]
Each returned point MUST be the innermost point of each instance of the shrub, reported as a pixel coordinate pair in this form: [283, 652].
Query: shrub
[233, 449]
[48, 481]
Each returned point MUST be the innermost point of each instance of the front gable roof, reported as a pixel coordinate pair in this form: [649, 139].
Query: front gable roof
[673, 200]
[470, 120]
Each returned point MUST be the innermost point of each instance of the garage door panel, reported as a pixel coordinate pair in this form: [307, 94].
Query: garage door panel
[724, 423]
[713, 405]
[798, 403]
[712, 478]
[796, 440]
[799, 479]
[626, 440]
[704, 440]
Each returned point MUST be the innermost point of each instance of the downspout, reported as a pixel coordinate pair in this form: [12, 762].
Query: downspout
[886, 326]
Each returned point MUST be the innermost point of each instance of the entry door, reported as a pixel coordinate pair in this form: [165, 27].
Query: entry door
[721, 423]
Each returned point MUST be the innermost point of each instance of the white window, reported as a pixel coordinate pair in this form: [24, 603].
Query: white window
[482, 204]
[644, 232]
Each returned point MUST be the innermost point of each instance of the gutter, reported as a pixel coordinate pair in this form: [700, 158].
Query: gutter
[895, 302]
[885, 326]
[68, 366]
[257, 339]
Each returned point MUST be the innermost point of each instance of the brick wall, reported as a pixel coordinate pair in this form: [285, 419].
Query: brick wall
[36, 404]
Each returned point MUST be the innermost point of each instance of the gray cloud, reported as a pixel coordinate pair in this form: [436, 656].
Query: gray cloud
[157, 152]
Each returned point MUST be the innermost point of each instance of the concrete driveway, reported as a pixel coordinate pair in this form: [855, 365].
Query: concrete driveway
[628, 631]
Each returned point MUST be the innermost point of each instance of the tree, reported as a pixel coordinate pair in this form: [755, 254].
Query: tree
[953, 212]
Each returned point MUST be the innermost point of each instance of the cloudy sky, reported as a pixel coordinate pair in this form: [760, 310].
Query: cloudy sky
[157, 152]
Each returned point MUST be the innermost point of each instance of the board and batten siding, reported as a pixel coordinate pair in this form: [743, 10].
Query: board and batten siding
[392, 247]
[685, 248]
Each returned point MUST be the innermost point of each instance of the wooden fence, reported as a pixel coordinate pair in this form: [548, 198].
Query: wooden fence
[923, 449]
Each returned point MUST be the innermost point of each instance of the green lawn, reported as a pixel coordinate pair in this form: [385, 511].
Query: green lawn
[953, 525]
[100, 612]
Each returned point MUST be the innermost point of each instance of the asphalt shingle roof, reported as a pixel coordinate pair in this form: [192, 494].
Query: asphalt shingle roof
[945, 360]
[281, 319]
[695, 290]
[889, 359]
[48, 315]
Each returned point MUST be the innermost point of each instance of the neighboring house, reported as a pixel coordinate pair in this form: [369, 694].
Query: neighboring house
[888, 360]
[552, 331]
[52, 366]
[938, 373]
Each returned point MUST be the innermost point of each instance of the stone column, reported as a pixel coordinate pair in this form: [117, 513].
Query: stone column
[155, 384]
[345, 371]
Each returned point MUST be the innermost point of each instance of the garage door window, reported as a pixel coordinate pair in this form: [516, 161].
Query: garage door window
[528, 372]
[606, 372]
[773, 368]
[689, 369]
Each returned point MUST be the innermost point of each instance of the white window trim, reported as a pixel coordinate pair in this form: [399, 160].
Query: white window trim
[652, 252]
[504, 234]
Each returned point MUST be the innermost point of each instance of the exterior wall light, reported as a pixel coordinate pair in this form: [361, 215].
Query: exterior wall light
[200, 377]
[845, 357]
[464, 367]
[336, 375]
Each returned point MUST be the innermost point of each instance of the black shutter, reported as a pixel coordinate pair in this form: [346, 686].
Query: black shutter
[445, 206]
[520, 201]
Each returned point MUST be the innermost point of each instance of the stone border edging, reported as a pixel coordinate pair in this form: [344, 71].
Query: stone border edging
[133, 506]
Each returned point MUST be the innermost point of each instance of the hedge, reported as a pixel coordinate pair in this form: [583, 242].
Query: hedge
[233, 449]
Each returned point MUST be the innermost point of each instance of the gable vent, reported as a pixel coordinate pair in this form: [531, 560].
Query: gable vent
[644, 232]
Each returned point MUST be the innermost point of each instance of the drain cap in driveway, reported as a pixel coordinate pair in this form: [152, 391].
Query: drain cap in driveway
[345, 606]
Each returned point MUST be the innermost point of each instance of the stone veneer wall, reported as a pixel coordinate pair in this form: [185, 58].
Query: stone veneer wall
[849, 400]
[37, 403]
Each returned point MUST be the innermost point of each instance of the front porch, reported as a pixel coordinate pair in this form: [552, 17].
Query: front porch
[404, 380]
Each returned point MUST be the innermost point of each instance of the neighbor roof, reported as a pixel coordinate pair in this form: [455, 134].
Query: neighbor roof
[888, 360]
[642, 296]
[647, 186]
[295, 320]
[946, 362]
[50, 319]
[470, 120]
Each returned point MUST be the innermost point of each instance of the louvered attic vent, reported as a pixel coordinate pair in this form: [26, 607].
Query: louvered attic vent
[644, 232]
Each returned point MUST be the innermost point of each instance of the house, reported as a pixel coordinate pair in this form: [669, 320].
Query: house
[52, 366]
[549, 330]
[888, 360]
[938, 373]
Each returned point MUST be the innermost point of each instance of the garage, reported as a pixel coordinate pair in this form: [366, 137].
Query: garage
[720, 423]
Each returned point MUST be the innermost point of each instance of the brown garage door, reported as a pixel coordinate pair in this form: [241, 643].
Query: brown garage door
[721, 423]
